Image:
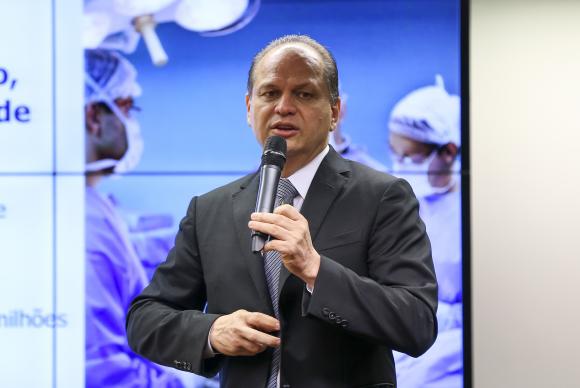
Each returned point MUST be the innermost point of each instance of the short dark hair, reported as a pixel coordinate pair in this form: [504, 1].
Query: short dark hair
[330, 70]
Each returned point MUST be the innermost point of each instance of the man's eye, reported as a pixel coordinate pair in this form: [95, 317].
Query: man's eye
[305, 95]
[269, 93]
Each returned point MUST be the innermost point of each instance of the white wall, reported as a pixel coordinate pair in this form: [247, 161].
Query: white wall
[525, 153]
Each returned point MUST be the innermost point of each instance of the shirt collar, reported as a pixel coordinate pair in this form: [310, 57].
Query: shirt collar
[302, 178]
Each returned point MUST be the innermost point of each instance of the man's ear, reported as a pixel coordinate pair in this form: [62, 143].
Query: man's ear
[248, 108]
[335, 114]
[92, 120]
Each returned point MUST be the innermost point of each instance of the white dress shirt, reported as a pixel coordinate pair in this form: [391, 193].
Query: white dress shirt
[302, 178]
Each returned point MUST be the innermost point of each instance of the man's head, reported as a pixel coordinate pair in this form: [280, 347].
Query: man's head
[110, 87]
[424, 135]
[293, 93]
[329, 63]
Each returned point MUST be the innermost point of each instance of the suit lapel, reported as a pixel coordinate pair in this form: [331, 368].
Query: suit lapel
[325, 187]
[244, 203]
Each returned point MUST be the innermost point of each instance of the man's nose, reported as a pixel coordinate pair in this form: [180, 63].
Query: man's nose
[286, 105]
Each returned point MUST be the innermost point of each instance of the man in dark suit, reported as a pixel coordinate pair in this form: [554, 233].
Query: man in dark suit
[356, 279]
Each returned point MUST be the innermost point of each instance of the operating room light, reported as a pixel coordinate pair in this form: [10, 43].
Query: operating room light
[117, 24]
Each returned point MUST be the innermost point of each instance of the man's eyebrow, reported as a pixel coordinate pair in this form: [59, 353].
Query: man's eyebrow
[304, 84]
[266, 85]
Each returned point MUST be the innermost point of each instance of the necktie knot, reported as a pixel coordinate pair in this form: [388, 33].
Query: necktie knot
[286, 192]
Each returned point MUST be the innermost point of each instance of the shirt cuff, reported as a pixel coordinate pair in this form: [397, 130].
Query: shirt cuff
[208, 351]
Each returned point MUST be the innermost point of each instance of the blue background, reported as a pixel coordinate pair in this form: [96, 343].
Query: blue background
[193, 115]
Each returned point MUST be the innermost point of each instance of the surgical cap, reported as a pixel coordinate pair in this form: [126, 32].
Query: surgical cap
[115, 75]
[428, 115]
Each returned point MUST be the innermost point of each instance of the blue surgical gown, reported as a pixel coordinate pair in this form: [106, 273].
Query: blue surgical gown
[114, 276]
[355, 152]
[442, 365]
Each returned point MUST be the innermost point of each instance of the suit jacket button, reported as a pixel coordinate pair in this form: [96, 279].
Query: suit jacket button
[325, 311]
[332, 316]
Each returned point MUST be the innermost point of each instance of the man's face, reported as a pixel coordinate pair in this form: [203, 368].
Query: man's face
[404, 147]
[290, 98]
[107, 132]
[439, 169]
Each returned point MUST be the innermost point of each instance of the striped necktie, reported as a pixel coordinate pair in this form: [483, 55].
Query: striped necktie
[272, 264]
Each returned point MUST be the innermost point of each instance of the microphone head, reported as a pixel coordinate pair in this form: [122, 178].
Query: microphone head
[274, 151]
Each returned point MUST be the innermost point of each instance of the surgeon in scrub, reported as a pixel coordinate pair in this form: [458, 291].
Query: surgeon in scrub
[424, 137]
[341, 142]
[114, 272]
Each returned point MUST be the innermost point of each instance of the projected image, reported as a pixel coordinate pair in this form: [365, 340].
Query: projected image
[165, 120]
[424, 145]
[115, 272]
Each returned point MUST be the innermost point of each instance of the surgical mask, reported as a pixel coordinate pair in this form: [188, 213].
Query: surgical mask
[135, 144]
[418, 177]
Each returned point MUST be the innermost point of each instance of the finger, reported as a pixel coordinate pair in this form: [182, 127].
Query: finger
[289, 211]
[271, 229]
[260, 338]
[245, 347]
[271, 218]
[263, 322]
[277, 245]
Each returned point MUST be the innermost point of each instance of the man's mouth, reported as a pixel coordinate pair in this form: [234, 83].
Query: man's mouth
[284, 129]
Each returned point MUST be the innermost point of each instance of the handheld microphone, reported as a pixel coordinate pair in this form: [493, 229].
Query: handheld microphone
[273, 159]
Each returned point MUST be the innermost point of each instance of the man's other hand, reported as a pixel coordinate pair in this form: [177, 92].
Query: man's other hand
[243, 333]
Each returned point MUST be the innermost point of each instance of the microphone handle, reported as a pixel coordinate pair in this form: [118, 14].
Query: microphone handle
[269, 177]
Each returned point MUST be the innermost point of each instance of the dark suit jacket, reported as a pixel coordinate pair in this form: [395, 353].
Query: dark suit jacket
[376, 289]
